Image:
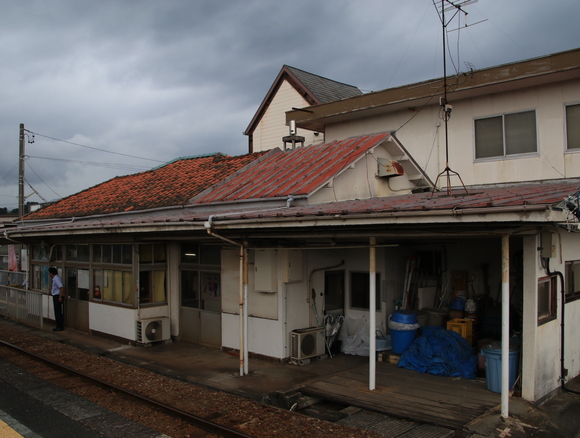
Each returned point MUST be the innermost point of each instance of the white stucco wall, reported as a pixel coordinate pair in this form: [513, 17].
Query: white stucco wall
[360, 180]
[272, 127]
[542, 344]
[293, 300]
[116, 321]
[424, 135]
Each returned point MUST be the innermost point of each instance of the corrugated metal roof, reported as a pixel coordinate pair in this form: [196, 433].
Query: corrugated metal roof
[479, 201]
[296, 172]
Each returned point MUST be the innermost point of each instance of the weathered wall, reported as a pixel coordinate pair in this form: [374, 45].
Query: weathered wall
[272, 127]
[424, 135]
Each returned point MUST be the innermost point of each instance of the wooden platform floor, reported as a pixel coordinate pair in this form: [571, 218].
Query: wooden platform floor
[442, 401]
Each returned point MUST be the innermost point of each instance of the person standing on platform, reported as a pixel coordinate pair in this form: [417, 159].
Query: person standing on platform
[57, 292]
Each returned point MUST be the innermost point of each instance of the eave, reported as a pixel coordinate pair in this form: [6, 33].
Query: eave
[508, 77]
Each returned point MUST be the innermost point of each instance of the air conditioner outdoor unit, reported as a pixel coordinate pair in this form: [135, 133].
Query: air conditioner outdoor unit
[153, 330]
[307, 342]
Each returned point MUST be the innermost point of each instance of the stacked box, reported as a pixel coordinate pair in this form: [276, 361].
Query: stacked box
[462, 326]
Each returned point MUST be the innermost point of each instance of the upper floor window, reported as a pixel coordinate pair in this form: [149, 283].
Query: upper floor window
[573, 127]
[506, 135]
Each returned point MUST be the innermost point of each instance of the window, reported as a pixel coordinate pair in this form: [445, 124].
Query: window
[200, 277]
[112, 285]
[359, 290]
[573, 127]
[334, 291]
[77, 253]
[118, 254]
[152, 269]
[572, 280]
[506, 135]
[546, 299]
[77, 283]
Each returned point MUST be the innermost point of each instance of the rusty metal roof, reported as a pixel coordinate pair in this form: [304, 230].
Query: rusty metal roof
[479, 201]
[295, 172]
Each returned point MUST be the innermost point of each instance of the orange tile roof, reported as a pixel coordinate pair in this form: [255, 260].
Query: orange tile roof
[174, 183]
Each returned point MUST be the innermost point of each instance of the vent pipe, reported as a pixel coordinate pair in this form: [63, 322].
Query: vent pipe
[293, 139]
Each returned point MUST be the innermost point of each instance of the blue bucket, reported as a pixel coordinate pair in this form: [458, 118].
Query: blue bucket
[493, 367]
[402, 339]
[404, 316]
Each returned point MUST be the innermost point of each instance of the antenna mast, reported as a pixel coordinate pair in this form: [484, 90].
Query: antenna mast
[446, 107]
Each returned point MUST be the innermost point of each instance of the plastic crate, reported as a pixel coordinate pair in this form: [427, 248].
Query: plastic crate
[463, 327]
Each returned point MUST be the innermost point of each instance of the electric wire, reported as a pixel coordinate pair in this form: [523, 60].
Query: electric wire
[126, 167]
[407, 48]
[41, 180]
[94, 148]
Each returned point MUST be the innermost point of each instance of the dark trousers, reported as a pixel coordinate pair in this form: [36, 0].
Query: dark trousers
[58, 311]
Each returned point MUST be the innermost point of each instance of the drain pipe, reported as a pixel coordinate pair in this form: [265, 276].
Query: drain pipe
[242, 295]
[563, 370]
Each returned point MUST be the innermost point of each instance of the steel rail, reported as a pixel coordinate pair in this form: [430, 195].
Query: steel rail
[199, 422]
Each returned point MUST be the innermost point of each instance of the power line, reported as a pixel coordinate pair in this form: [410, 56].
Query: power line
[93, 148]
[126, 167]
[38, 176]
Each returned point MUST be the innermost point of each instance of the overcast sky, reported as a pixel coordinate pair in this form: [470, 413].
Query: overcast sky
[161, 79]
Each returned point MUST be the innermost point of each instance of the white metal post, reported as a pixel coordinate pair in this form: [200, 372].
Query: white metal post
[372, 312]
[505, 323]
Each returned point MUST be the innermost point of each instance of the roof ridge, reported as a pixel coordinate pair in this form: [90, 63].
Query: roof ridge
[319, 76]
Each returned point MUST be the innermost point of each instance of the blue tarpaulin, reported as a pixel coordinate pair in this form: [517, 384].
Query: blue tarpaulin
[443, 353]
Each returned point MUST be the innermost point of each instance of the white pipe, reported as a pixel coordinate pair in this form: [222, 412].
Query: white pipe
[245, 282]
[241, 297]
[372, 312]
[505, 323]
[242, 294]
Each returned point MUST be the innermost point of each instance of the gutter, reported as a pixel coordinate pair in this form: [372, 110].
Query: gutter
[397, 214]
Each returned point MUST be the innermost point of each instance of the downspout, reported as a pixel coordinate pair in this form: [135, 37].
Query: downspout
[242, 294]
[563, 370]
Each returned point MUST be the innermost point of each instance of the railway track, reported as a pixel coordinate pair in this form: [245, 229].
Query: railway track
[166, 405]
[189, 424]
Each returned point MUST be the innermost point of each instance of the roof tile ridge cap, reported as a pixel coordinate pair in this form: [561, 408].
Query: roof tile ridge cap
[245, 168]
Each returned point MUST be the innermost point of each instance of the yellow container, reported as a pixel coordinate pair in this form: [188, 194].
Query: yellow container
[463, 327]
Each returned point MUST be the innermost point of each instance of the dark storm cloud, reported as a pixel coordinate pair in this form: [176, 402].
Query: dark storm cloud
[163, 79]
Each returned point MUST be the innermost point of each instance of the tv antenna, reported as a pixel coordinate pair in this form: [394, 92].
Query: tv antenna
[456, 7]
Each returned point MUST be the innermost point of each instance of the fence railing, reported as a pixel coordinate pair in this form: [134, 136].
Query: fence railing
[12, 278]
[22, 305]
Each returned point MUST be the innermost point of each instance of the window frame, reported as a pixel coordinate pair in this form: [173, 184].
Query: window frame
[551, 301]
[505, 143]
[571, 293]
[151, 264]
[365, 277]
[200, 264]
[575, 127]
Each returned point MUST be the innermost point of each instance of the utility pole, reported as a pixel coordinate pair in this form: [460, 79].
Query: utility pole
[21, 173]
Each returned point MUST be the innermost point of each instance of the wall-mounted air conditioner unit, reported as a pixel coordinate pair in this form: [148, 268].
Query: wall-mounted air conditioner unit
[153, 330]
[307, 342]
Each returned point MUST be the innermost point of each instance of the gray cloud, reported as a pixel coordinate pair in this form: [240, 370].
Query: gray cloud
[175, 78]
